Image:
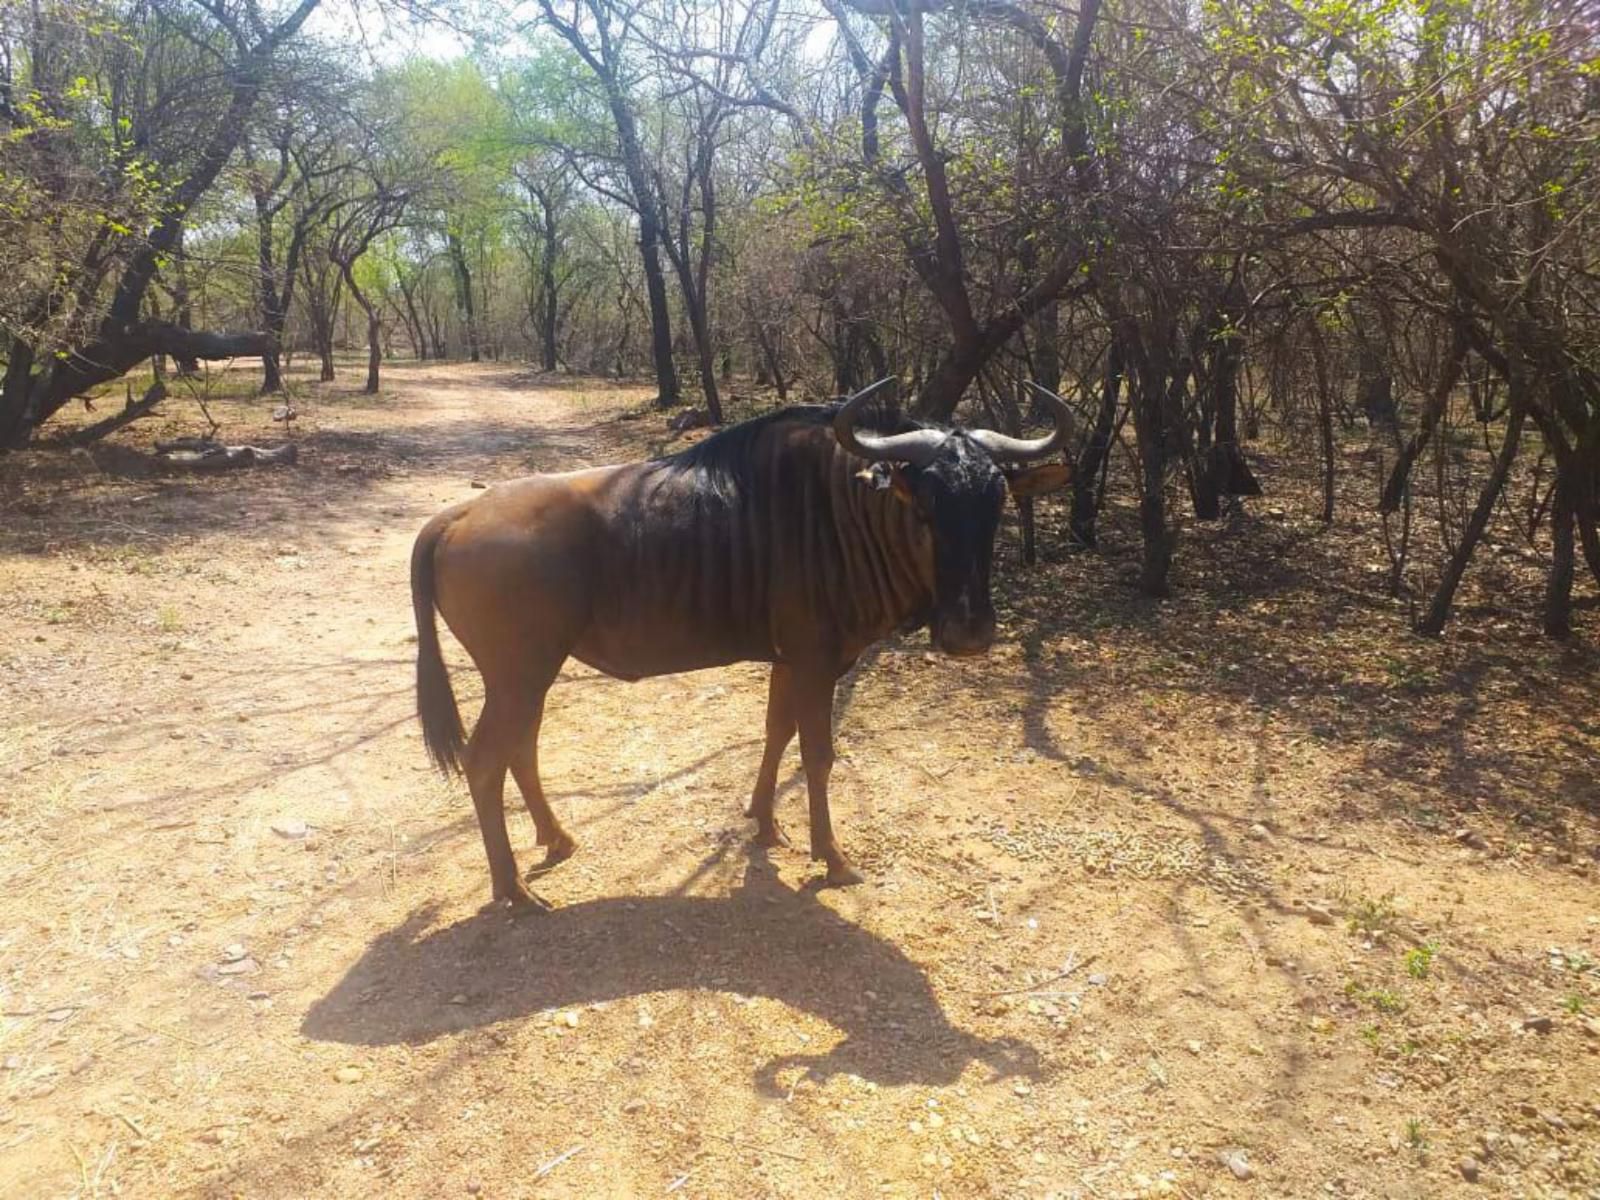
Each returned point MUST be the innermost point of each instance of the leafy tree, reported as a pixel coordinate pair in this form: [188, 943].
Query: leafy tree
[119, 117]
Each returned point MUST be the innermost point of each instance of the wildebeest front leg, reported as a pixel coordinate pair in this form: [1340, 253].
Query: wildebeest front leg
[813, 699]
[780, 731]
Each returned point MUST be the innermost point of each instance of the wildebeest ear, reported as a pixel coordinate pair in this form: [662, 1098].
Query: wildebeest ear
[875, 477]
[1036, 481]
[882, 475]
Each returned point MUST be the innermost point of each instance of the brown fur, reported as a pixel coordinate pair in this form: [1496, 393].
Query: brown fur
[764, 544]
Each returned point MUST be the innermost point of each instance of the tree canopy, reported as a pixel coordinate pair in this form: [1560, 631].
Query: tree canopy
[1196, 221]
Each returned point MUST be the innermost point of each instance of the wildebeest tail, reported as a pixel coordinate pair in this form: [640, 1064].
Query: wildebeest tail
[436, 700]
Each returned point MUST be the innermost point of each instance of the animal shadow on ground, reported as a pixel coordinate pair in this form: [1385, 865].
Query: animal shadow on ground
[765, 939]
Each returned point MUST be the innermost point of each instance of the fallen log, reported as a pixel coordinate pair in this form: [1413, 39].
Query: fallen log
[131, 411]
[202, 454]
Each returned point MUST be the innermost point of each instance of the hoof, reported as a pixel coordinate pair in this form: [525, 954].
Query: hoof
[563, 848]
[520, 900]
[844, 874]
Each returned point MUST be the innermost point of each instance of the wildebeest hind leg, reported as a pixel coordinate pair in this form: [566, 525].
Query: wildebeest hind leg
[814, 714]
[780, 732]
[504, 720]
[559, 844]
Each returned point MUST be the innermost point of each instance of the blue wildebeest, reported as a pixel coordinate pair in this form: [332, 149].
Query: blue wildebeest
[798, 539]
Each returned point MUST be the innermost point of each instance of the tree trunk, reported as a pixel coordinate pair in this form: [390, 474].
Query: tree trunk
[770, 365]
[1148, 400]
[1229, 470]
[548, 324]
[1438, 612]
[322, 334]
[1432, 411]
[1374, 383]
[1589, 532]
[271, 373]
[1046, 345]
[464, 295]
[267, 283]
[15, 418]
[1319, 362]
[187, 367]
[660, 315]
[1558, 584]
[416, 332]
[1025, 518]
[1093, 454]
[949, 382]
[1152, 498]
[705, 353]
[374, 326]
[374, 350]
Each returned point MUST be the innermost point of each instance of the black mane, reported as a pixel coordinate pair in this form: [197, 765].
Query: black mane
[725, 460]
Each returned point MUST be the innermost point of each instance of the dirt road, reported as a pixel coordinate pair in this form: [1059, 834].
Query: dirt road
[1148, 915]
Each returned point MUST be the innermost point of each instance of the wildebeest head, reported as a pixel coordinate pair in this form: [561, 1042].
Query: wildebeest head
[956, 480]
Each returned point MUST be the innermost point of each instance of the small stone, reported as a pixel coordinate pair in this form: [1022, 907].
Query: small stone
[459, 998]
[1319, 916]
[1538, 1024]
[1554, 1120]
[291, 827]
[233, 953]
[1468, 1166]
[349, 1074]
[1237, 1163]
[1099, 980]
[1259, 832]
[244, 966]
[570, 1019]
[1527, 1110]
[473, 1187]
[1591, 1026]
[633, 1106]
[1472, 838]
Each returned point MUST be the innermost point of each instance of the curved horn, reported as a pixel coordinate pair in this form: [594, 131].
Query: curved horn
[1009, 449]
[916, 447]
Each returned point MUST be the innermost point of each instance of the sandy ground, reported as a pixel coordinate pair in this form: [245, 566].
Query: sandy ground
[1250, 894]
